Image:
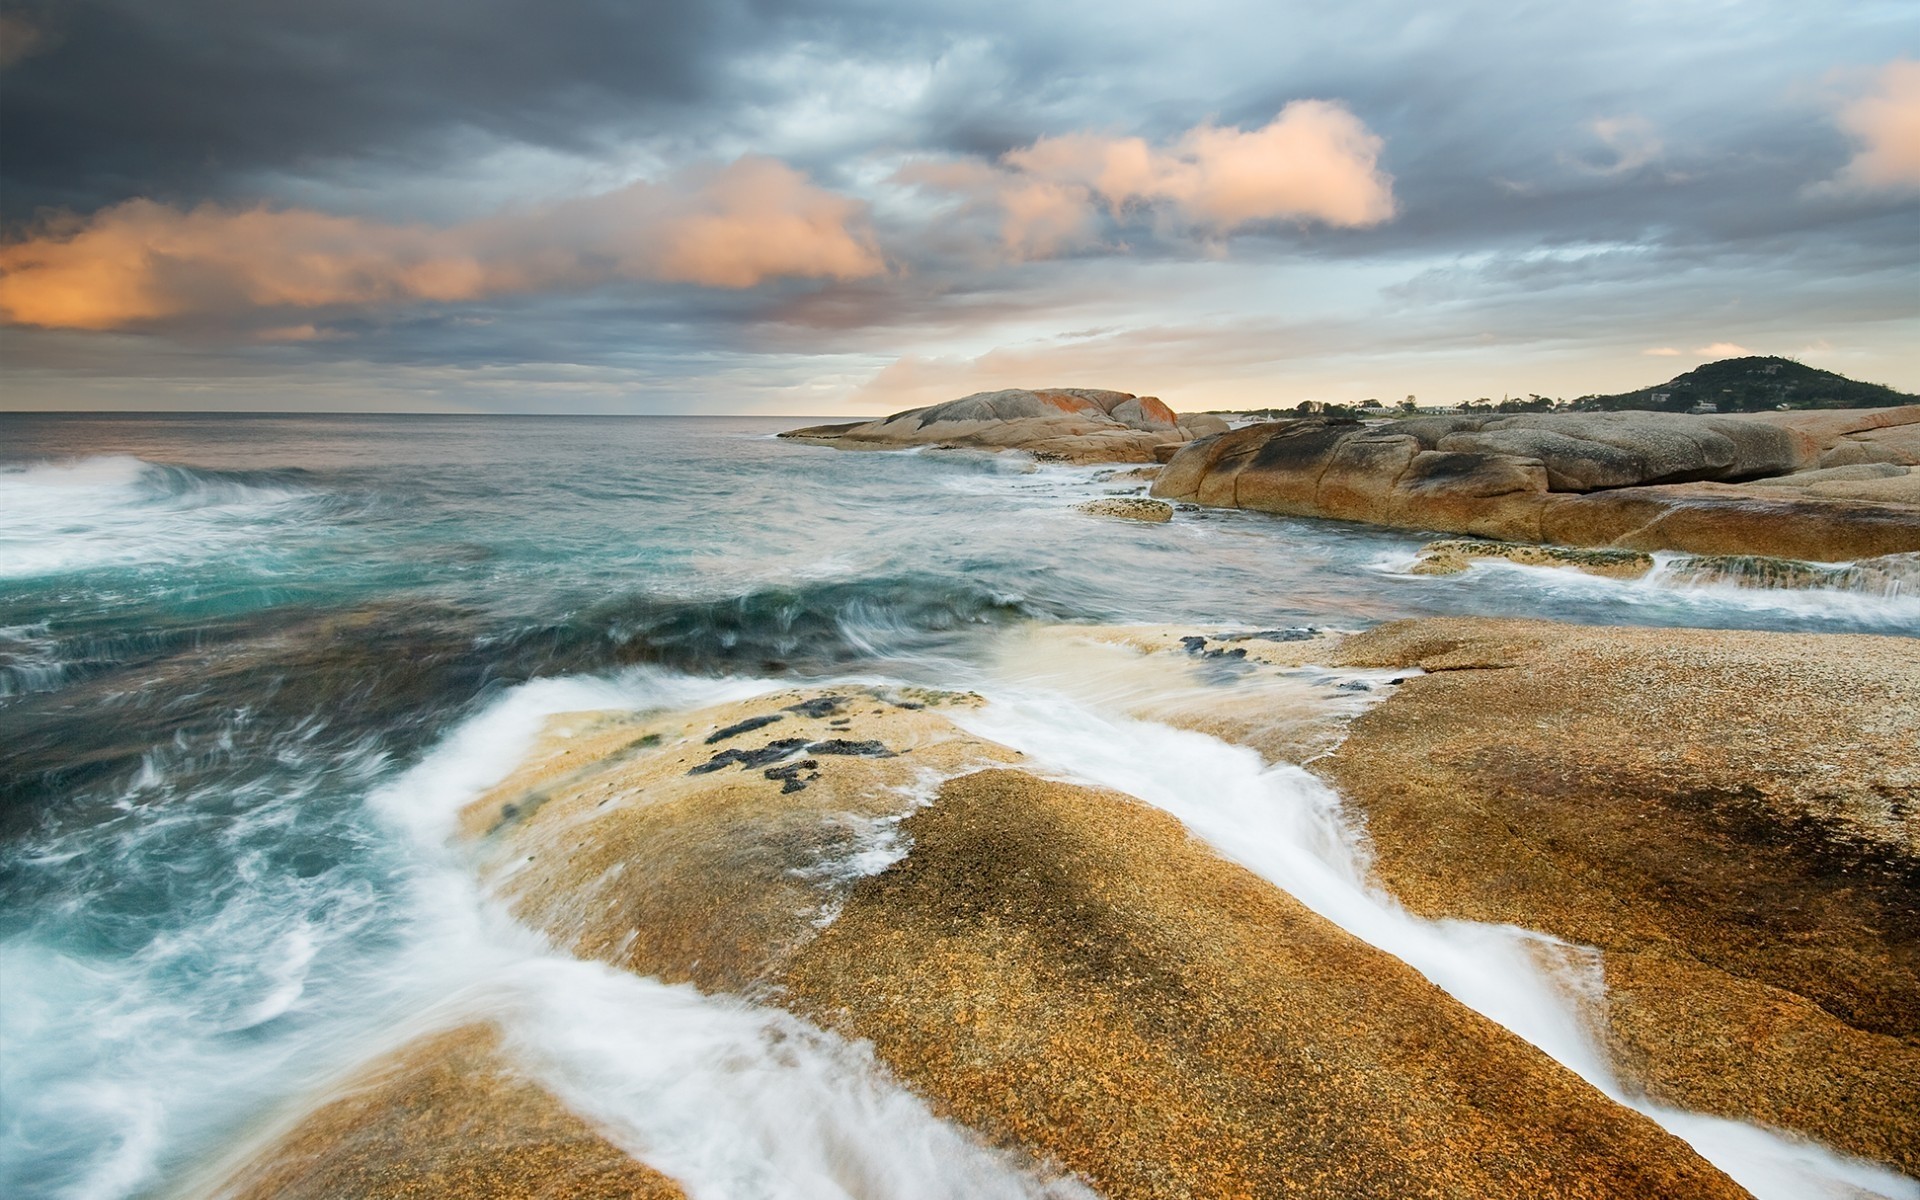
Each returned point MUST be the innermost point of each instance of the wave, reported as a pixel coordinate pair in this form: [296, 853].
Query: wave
[57, 518]
[805, 628]
[1875, 595]
[1889, 577]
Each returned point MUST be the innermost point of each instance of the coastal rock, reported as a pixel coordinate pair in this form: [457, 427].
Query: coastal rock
[447, 1116]
[1885, 575]
[1632, 480]
[1128, 508]
[1079, 425]
[739, 862]
[1454, 555]
[1061, 968]
[1732, 818]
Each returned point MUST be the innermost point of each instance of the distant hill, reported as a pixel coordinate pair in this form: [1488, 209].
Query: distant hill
[1756, 384]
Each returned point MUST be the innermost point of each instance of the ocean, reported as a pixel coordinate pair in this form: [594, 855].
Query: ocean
[250, 665]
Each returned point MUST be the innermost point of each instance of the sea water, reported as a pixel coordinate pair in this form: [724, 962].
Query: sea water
[250, 665]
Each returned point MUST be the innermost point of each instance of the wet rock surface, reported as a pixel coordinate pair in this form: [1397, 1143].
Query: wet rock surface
[1733, 818]
[1064, 968]
[1061, 968]
[1079, 425]
[671, 866]
[1128, 509]
[447, 1116]
[1454, 555]
[1631, 480]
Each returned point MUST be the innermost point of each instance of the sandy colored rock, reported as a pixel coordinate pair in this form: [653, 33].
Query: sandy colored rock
[1719, 518]
[1262, 688]
[449, 1116]
[1063, 968]
[1077, 425]
[1060, 968]
[1733, 818]
[1454, 555]
[646, 842]
[1628, 480]
[1128, 508]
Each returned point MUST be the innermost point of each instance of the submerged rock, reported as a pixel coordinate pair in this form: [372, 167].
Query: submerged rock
[447, 1116]
[1061, 968]
[1630, 480]
[1080, 425]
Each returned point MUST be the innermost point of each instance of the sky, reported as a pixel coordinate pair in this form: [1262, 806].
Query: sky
[856, 206]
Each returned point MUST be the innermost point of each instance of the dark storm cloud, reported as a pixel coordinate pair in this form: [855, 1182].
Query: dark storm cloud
[124, 97]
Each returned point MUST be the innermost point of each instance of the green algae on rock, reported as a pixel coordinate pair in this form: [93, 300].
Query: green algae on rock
[1454, 555]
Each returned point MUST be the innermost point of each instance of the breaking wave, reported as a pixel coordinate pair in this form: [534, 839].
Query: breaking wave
[119, 511]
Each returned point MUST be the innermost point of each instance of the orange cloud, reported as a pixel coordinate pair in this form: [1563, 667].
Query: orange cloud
[730, 227]
[1315, 161]
[1886, 122]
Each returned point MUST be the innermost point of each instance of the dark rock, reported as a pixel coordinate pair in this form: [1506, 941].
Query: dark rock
[789, 776]
[819, 706]
[842, 746]
[746, 726]
[771, 752]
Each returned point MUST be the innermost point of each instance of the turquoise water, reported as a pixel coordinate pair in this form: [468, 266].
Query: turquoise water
[223, 638]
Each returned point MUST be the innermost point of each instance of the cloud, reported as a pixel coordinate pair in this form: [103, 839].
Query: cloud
[1662, 352]
[1630, 140]
[1723, 350]
[140, 261]
[1886, 123]
[20, 38]
[1315, 162]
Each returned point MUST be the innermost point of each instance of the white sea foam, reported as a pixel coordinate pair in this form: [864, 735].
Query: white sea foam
[117, 511]
[1676, 591]
[1284, 825]
[729, 1098]
[736, 1100]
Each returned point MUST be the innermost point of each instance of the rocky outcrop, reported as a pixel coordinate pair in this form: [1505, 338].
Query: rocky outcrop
[1128, 508]
[1079, 425]
[1733, 818]
[1636, 481]
[447, 1116]
[1061, 968]
[1454, 555]
[1888, 575]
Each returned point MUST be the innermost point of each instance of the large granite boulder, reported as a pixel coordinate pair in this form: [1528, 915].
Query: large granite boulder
[1062, 969]
[1641, 481]
[1082, 425]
